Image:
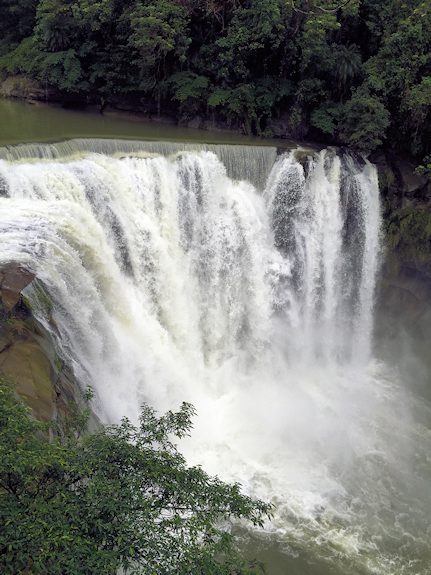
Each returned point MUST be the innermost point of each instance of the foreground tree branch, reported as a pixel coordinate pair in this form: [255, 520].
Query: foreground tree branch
[121, 498]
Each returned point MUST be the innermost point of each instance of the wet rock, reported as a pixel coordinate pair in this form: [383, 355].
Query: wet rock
[28, 354]
[403, 309]
[13, 279]
[196, 122]
[25, 362]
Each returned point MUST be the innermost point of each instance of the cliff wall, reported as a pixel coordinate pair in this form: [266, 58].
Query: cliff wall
[27, 353]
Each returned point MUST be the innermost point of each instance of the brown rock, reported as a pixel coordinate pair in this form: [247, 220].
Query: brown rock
[27, 365]
[13, 279]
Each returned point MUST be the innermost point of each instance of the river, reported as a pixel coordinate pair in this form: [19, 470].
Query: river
[22, 122]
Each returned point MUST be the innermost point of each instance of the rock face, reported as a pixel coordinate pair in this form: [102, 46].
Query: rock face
[404, 293]
[27, 354]
[24, 88]
[13, 279]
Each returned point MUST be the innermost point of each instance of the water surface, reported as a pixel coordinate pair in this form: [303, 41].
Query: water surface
[38, 122]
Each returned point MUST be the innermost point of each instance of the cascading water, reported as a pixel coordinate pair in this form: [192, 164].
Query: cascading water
[171, 281]
[327, 225]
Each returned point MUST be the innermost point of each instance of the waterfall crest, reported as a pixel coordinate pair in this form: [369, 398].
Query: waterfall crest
[252, 163]
[234, 279]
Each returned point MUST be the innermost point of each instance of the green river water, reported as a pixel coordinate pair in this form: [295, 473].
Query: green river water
[24, 122]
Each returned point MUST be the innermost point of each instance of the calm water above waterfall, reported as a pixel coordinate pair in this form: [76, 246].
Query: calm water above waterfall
[38, 122]
[242, 281]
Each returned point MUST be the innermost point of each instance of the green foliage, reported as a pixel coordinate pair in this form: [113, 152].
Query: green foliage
[424, 169]
[315, 64]
[420, 94]
[157, 29]
[323, 120]
[188, 85]
[61, 69]
[347, 64]
[409, 232]
[17, 19]
[365, 121]
[122, 497]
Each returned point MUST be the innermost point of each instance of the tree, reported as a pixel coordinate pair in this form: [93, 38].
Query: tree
[364, 122]
[397, 74]
[190, 91]
[120, 498]
[17, 18]
[300, 67]
[158, 41]
[347, 65]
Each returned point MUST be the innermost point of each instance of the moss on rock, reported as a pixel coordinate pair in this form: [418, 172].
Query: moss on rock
[25, 363]
[27, 353]
[410, 226]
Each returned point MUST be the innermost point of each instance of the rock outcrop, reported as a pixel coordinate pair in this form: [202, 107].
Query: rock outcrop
[25, 88]
[404, 291]
[27, 353]
[13, 279]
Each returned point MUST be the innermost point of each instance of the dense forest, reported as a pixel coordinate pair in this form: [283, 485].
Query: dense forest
[356, 72]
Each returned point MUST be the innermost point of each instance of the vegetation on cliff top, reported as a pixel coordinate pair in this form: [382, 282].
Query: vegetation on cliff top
[122, 497]
[356, 72]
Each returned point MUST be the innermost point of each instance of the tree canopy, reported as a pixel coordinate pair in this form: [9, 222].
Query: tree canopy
[74, 503]
[355, 72]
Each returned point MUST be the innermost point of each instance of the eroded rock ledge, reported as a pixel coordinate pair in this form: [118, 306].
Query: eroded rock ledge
[27, 353]
[404, 289]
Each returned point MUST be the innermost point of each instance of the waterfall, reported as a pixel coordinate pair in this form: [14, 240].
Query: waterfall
[241, 162]
[240, 281]
[326, 222]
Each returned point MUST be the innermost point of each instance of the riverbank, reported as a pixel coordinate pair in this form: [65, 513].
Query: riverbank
[82, 116]
[128, 108]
